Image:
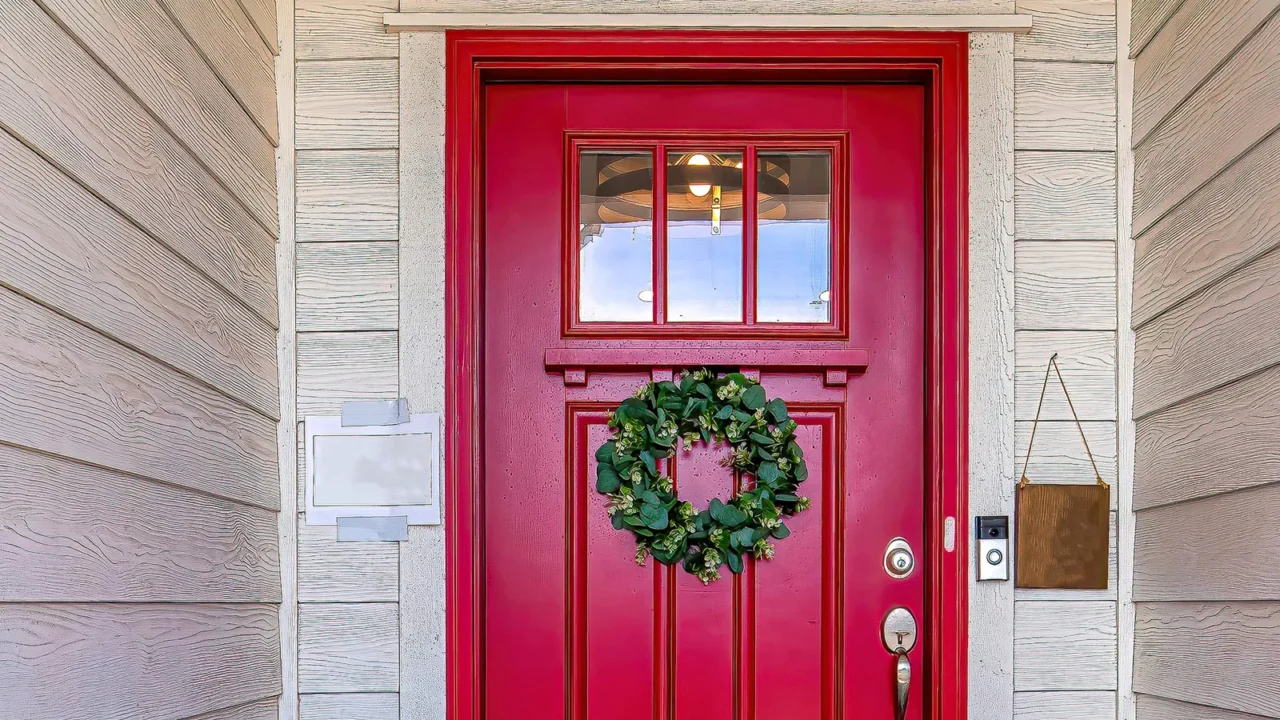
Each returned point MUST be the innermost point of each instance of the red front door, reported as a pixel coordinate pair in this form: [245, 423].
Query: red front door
[634, 230]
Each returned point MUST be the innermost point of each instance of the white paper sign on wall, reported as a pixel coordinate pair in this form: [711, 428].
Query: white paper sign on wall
[369, 471]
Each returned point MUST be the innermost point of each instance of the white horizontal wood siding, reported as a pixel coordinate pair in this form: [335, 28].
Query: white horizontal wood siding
[139, 491]
[1206, 395]
[365, 126]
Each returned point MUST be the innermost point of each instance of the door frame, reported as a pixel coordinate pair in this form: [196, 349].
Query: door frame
[938, 61]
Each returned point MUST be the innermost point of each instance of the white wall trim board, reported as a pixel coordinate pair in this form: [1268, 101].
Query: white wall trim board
[422, 285]
[1125, 347]
[286, 363]
[438, 21]
[991, 359]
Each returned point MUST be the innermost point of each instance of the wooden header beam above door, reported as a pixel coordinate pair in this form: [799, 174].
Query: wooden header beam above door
[438, 21]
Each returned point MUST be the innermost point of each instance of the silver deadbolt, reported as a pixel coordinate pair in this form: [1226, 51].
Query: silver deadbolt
[899, 561]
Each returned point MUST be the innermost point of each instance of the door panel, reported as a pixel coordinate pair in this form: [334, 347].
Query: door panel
[572, 626]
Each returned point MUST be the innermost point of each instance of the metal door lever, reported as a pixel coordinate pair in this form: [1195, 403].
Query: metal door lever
[898, 631]
[903, 678]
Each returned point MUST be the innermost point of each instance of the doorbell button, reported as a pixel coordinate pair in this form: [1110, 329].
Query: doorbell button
[991, 533]
[899, 561]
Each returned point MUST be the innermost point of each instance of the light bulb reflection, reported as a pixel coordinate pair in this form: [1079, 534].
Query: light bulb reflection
[699, 189]
[825, 296]
[645, 295]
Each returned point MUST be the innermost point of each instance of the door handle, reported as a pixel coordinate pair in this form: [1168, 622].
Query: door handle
[903, 678]
[899, 632]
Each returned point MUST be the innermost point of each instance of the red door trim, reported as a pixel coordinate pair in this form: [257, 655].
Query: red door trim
[937, 60]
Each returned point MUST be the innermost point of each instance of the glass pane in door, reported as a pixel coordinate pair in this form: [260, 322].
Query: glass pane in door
[793, 240]
[704, 237]
[615, 237]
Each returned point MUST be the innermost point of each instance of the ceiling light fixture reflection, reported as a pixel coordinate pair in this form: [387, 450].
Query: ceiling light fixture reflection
[825, 296]
[645, 295]
[696, 188]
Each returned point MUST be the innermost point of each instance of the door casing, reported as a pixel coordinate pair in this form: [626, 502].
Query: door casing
[937, 61]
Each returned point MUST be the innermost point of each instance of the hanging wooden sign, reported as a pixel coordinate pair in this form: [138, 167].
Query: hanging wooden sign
[1063, 531]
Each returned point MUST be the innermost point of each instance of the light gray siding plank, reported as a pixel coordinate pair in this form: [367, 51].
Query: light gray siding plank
[1148, 17]
[344, 29]
[1221, 441]
[76, 533]
[149, 54]
[1224, 547]
[1230, 330]
[1218, 654]
[1064, 645]
[1059, 455]
[347, 286]
[263, 15]
[356, 706]
[1213, 127]
[1064, 106]
[348, 195]
[257, 710]
[1065, 285]
[1227, 223]
[1156, 708]
[56, 98]
[348, 104]
[234, 49]
[80, 257]
[332, 571]
[1075, 30]
[335, 367]
[1070, 705]
[1088, 363]
[127, 661]
[1196, 40]
[348, 648]
[1065, 195]
[68, 391]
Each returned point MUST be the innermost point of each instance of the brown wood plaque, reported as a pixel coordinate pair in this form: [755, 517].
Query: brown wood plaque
[1063, 536]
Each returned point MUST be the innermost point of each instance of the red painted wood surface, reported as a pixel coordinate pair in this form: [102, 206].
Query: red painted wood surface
[934, 61]
[571, 626]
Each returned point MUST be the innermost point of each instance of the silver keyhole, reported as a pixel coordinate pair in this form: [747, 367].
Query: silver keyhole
[899, 561]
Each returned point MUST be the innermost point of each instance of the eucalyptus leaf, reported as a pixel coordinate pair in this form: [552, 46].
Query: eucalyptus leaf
[649, 462]
[604, 453]
[753, 397]
[724, 412]
[607, 479]
[762, 439]
[716, 509]
[777, 410]
[616, 521]
[654, 516]
[768, 472]
[735, 562]
[732, 516]
[787, 497]
[704, 390]
[745, 537]
[741, 416]
[781, 531]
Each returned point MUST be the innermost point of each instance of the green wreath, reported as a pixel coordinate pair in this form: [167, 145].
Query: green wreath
[702, 407]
